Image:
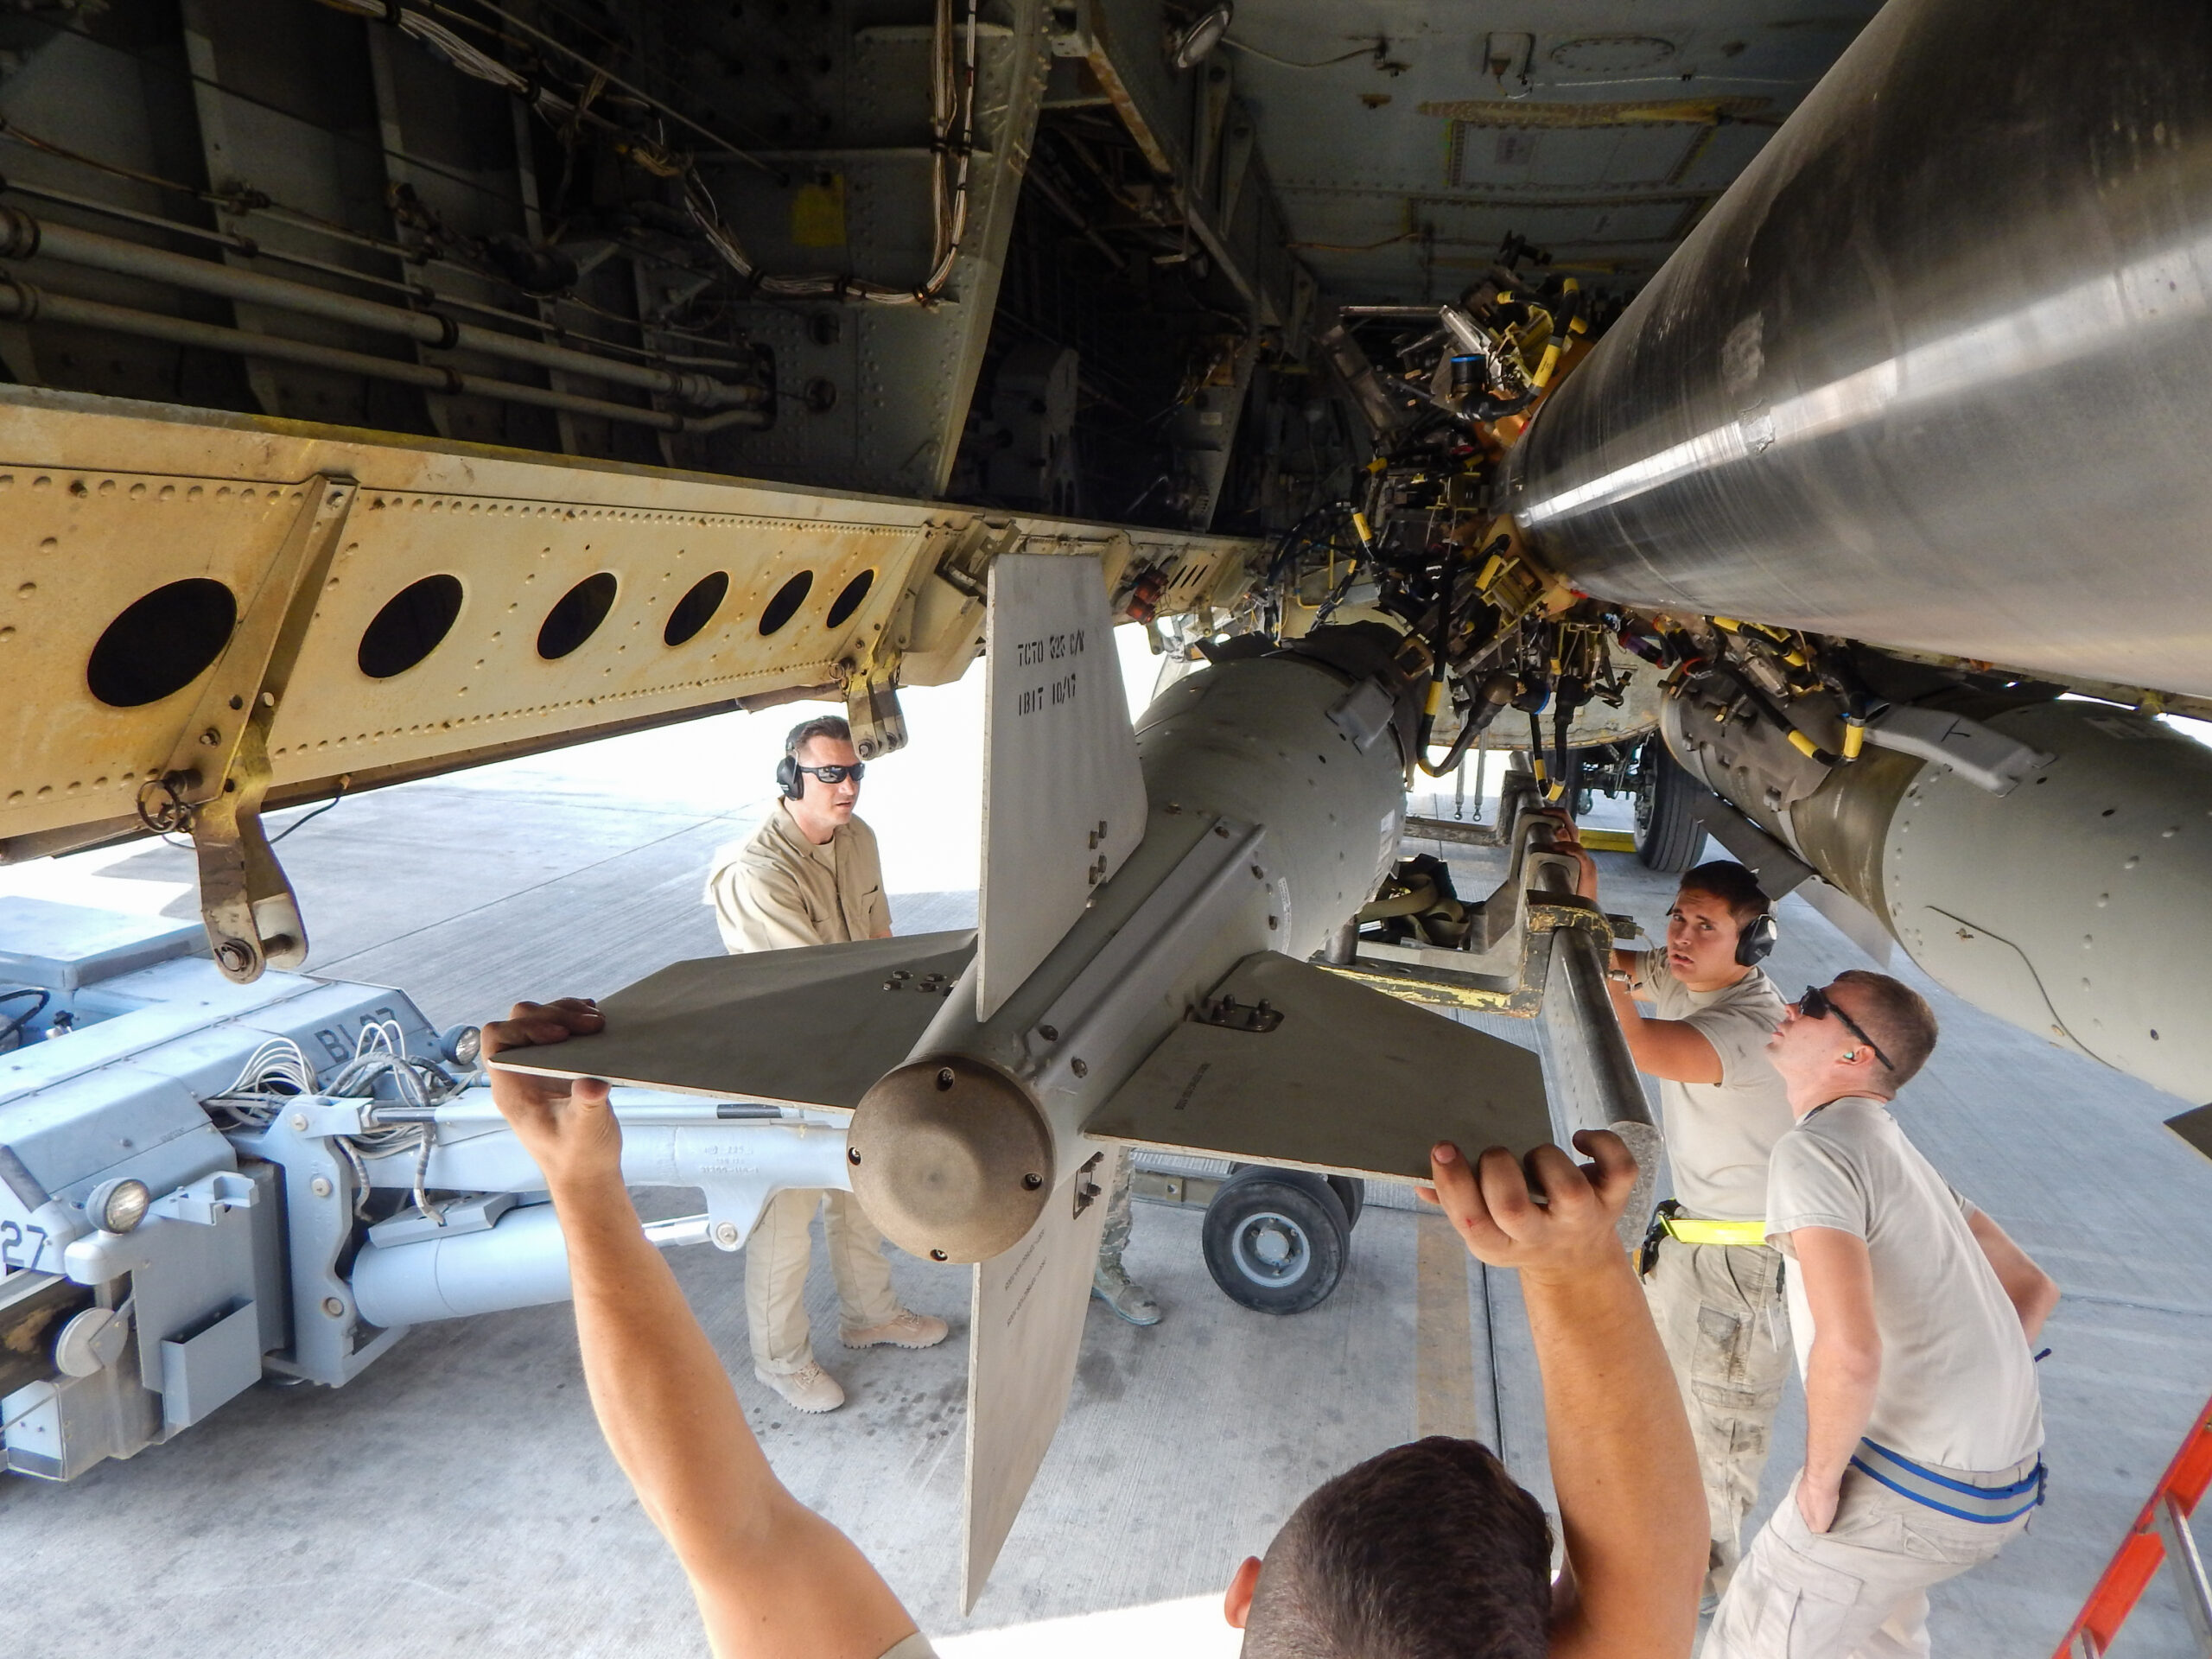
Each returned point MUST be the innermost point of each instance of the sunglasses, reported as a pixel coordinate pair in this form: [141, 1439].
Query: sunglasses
[1815, 1006]
[838, 774]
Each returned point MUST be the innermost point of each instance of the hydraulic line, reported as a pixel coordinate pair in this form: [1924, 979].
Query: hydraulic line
[22, 237]
[20, 302]
[1798, 740]
[1490, 700]
[952, 86]
[419, 293]
[1550, 791]
[599, 70]
[11, 1026]
[1563, 708]
[1570, 305]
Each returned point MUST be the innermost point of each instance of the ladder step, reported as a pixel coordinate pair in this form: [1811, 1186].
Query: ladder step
[2161, 1533]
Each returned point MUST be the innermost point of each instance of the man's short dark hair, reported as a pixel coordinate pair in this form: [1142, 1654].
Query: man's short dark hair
[1897, 1017]
[1731, 884]
[832, 727]
[1429, 1551]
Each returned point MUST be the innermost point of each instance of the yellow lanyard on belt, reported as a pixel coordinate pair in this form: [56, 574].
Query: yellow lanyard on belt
[1691, 1229]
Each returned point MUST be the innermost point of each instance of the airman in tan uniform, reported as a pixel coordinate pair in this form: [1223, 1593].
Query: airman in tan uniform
[810, 875]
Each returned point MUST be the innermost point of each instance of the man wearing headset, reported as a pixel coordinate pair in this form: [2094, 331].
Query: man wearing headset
[1713, 1283]
[810, 875]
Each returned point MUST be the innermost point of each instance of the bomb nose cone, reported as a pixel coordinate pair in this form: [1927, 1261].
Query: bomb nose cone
[951, 1160]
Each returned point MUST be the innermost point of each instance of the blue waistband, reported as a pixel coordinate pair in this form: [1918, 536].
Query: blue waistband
[1967, 1501]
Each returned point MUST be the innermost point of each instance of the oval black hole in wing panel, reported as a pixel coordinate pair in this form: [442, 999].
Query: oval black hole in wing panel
[786, 604]
[850, 600]
[413, 623]
[696, 608]
[576, 617]
[161, 643]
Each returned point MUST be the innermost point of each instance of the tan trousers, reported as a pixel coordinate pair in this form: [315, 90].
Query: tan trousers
[776, 1259]
[1857, 1591]
[1720, 1312]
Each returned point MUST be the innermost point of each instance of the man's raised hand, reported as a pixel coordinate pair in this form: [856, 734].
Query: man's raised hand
[1567, 838]
[1493, 1205]
[565, 1125]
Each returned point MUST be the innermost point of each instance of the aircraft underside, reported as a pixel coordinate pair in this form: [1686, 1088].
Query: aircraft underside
[394, 388]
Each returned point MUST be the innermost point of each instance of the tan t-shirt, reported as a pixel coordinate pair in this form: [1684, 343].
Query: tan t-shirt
[776, 889]
[1958, 1385]
[916, 1646]
[1719, 1135]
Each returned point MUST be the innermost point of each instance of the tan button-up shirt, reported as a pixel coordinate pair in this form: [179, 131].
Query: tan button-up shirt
[776, 889]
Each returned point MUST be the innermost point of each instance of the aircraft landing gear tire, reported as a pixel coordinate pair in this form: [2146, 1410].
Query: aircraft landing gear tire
[1668, 836]
[1276, 1240]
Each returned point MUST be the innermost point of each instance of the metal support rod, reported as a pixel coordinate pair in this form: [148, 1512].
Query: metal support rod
[676, 1231]
[1606, 1070]
[2188, 1565]
[22, 237]
[1452, 830]
[20, 302]
[473, 1109]
[1593, 1069]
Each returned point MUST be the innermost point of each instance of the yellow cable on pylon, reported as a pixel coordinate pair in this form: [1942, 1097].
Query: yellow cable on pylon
[1552, 352]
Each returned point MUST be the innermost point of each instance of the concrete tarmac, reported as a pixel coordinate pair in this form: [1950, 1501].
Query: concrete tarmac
[456, 1497]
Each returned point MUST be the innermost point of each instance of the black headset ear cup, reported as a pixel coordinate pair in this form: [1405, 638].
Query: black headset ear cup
[1756, 942]
[787, 778]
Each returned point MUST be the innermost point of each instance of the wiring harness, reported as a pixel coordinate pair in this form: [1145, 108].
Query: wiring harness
[278, 1072]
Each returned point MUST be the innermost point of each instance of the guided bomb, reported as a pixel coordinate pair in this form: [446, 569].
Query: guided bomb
[1147, 893]
[1275, 801]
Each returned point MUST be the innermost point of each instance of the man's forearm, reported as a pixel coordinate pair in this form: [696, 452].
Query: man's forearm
[2033, 1291]
[1667, 1049]
[663, 1399]
[1622, 1461]
[1840, 1385]
[1630, 1016]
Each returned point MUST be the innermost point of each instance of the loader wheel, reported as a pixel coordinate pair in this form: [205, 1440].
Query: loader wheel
[1668, 836]
[1350, 1190]
[1352, 1193]
[1276, 1240]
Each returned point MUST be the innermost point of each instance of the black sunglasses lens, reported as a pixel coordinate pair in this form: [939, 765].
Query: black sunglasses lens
[1813, 1006]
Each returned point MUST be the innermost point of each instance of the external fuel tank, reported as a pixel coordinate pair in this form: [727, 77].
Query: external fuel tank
[1937, 372]
[2073, 905]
